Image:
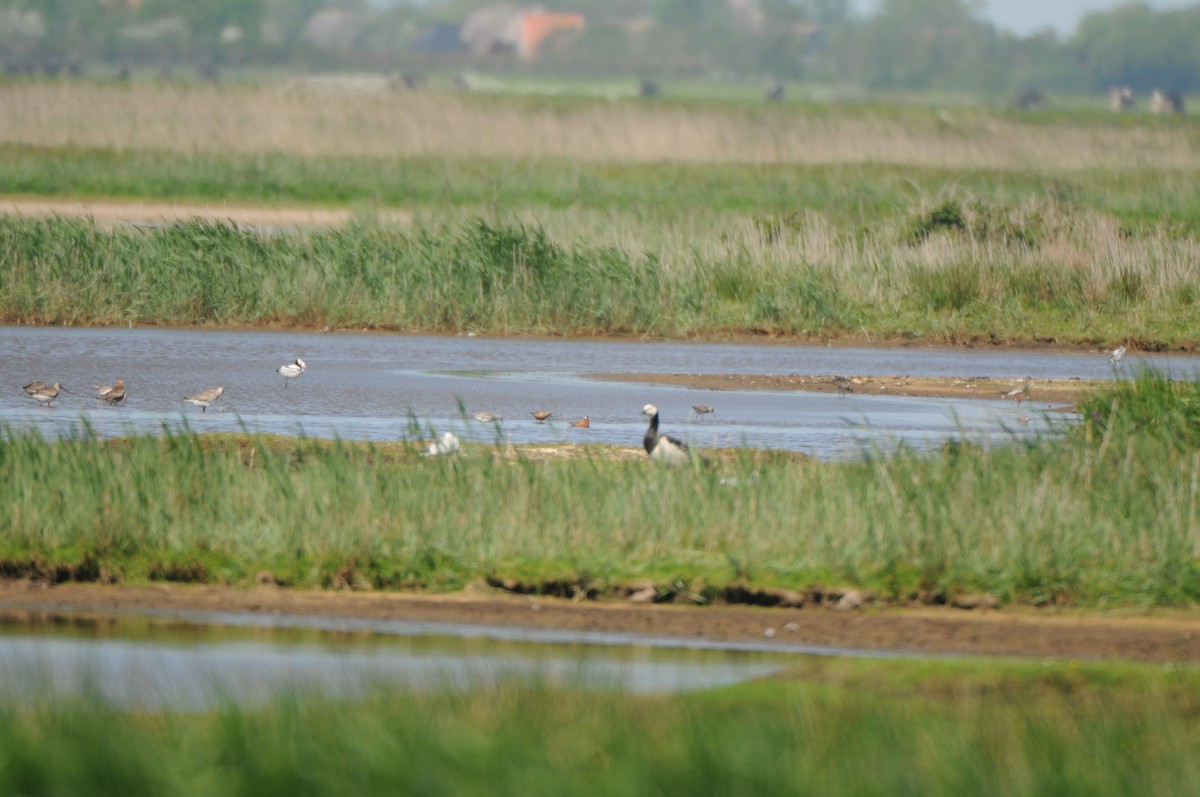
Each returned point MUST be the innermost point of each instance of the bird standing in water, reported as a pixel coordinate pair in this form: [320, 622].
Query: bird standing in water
[112, 395]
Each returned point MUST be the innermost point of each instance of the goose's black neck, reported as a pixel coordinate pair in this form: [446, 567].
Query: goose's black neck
[651, 437]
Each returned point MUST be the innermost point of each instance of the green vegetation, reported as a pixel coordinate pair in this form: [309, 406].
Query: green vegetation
[1106, 514]
[836, 728]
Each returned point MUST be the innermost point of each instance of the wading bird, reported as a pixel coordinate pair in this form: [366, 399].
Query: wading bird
[541, 415]
[488, 417]
[205, 398]
[1021, 393]
[583, 423]
[291, 371]
[668, 450]
[701, 410]
[1117, 355]
[46, 393]
[114, 394]
[34, 386]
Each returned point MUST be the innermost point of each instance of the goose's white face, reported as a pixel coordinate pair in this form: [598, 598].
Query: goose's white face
[649, 410]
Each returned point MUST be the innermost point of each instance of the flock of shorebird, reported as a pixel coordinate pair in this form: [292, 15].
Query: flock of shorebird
[666, 449]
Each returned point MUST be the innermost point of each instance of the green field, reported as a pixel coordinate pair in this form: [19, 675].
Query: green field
[1103, 515]
[830, 728]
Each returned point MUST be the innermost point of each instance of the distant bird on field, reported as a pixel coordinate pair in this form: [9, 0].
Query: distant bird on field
[541, 415]
[205, 398]
[291, 371]
[1117, 355]
[34, 386]
[1021, 393]
[583, 423]
[114, 394]
[669, 451]
[46, 393]
[701, 410]
[444, 446]
[488, 417]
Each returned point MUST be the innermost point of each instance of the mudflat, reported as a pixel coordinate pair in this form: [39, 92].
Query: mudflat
[1161, 636]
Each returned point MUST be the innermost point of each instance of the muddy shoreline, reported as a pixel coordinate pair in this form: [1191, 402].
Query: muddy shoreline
[1165, 636]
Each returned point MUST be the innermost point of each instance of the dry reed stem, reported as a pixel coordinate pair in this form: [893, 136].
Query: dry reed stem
[302, 120]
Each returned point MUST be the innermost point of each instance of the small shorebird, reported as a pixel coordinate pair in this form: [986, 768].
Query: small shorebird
[205, 398]
[1117, 354]
[488, 417]
[583, 423]
[669, 451]
[445, 445]
[114, 394]
[1021, 393]
[541, 415]
[701, 410]
[291, 370]
[46, 393]
[35, 386]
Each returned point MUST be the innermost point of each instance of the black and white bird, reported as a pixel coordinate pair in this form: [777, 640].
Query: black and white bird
[292, 370]
[668, 450]
[1117, 354]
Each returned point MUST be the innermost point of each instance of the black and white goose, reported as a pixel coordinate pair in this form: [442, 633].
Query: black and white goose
[668, 450]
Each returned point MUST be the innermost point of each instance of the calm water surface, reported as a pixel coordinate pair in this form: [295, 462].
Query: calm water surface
[369, 386]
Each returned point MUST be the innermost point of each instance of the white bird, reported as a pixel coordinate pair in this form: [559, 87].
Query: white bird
[668, 450]
[1117, 354]
[291, 370]
[488, 417]
[46, 393]
[205, 398]
[445, 445]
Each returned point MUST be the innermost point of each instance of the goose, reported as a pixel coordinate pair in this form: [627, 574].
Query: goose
[292, 370]
[47, 393]
[205, 398]
[114, 394]
[583, 423]
[541, 415]
[701, 410]
[1020, 393]
[1116, 355]
[668, 450]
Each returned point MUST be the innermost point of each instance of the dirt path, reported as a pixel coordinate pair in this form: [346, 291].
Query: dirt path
[1173, 636]
[109, 212]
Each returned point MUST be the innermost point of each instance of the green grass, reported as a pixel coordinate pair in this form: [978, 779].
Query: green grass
[836, 728]
[1106, 515]
[993, 276]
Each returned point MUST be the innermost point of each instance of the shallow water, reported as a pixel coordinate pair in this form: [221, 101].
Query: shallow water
[369, 387]
[197, 660]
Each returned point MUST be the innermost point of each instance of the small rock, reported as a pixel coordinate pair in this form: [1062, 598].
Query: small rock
[851, 599]
[984, 601]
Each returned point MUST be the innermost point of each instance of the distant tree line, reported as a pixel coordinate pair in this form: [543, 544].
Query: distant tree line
[902, 45]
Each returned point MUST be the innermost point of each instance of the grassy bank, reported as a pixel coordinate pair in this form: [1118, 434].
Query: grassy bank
[955, 272]
[1106, 515]
[838, 728]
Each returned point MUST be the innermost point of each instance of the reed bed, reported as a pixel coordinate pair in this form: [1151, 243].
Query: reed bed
[296, 119]
[1033, 272]
[835, 728]
[1105, 515]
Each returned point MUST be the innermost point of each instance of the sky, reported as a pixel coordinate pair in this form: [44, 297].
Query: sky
[1028, 16]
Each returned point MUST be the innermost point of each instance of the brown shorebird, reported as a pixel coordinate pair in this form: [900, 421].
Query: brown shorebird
[34, 386]
[701, 410]
[114, 394]
[205, 398]
[541, 415]
[1021, 393]
[46, 393]
[583, 423]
